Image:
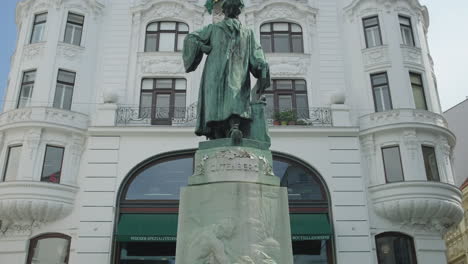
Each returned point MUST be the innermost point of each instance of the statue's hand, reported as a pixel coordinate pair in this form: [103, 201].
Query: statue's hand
[206, 49]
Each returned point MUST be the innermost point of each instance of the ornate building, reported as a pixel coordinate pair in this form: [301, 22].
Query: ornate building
[96, 136]
[457, 237]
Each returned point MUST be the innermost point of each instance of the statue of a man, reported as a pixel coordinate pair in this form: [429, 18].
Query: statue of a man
[224, 104]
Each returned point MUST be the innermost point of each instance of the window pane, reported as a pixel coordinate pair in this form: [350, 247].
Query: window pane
[151, 40]
[430, 163]
[379, 104]
[373, 37]
[180, 41]
[302, 106]
[310, 252]
[181, 84]
[281, 42]
[161, 181]
[162, 105]
[296, 28]
[77, 36]
[37, 33]
[280, 27]
[52, 168]
[183, 27]
[379, 79]
[419, 99]
[179, 105]
[75, 18]
[25, 95]
[266, 43]
[50, 250]
[372, 21]
[297, 43]
[269, 105]
[146, 102]
[405, 21]
[147, 84]
[392, 164]
[301, 184]
[167, 26]
[58, 98]
[152, 27]
[284, 84]
[164, 84]
[300, 85]
[407, 36]
[265, 28]
[29, 76]
[40, 18]
[285, 102]
[66, 76]
[12, 163]
[166, 41]
[68, 34]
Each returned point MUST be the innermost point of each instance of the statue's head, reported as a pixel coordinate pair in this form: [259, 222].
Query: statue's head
[232, 8]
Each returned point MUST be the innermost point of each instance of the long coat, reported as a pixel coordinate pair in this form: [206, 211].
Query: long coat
[233, 54]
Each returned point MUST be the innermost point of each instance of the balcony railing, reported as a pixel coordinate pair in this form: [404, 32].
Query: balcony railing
[181, 116]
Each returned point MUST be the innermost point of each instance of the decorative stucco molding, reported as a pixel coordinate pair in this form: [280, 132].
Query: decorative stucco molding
[44, 115]
[411, 142]
[160, 63]
[70, 52]
[429, 206]
[287, 65]
[376, 57]
[29, 202]
[33, 51]
[26, 7]
[412, 56]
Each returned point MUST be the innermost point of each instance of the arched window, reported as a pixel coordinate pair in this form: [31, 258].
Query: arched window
[395, 248]
[165, 36]
[49, 248]
[282, 37]
[149, 199]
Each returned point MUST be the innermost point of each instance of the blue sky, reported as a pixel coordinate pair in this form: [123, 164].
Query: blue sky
[448, 41]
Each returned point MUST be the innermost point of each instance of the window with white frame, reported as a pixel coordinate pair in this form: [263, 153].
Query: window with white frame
[26, 90]
[381, 92]
[64, 89]
[37, 32]
[406, 30]
[74, 29]
[430, 163]
[392, 164]
[12, 163]
[52, 167]
[281, 37]
[418, 91]
[165, 36]
[372, 32]
[49, 248]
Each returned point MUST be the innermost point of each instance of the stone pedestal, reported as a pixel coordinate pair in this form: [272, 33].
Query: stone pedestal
[233, 211]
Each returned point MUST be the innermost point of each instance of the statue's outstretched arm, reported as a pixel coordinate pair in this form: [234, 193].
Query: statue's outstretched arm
[195, 45]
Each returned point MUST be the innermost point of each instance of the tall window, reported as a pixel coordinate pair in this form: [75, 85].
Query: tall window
[38, 28]
[418, 91]
[27, 85]
[381, 92]
[395, 248]
[52, 168]
[392, 164]
[406, 31]
[163, 100]
[165, 36]
[281, 37]
[12, 163]
[430, 163]
[288, 95]
[64, 89]
[372, 31]
[49, 248]
[74, 29]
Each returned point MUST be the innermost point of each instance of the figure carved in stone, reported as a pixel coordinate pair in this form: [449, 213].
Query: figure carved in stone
[225, 108]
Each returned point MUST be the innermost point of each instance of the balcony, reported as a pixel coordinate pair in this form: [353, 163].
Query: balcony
[418, 204]
[28, 201]
[176, 116]
[45, 116]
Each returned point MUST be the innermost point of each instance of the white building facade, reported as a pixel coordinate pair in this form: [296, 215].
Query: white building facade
[96, 137]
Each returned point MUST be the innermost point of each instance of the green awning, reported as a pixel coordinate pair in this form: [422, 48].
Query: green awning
[310, 227]
[147, 228]
[163, 227]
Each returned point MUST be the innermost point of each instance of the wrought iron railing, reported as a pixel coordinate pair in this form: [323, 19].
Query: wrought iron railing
[181, 116]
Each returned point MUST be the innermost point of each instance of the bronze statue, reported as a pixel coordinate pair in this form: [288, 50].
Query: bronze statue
[225, 108]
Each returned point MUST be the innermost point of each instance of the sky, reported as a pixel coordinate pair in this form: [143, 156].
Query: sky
[448, 42]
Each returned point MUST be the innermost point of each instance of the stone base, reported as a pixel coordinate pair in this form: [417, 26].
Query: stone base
[234, 223]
